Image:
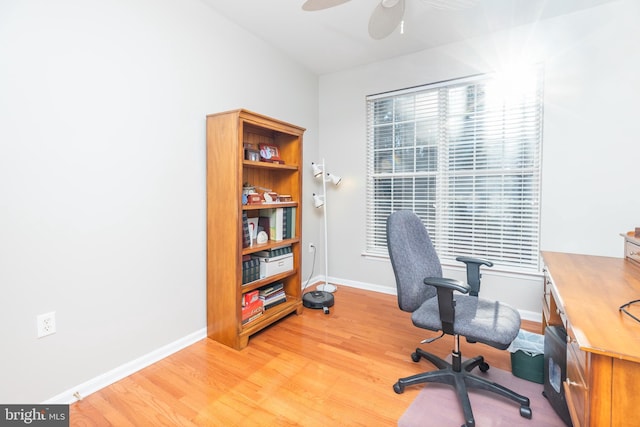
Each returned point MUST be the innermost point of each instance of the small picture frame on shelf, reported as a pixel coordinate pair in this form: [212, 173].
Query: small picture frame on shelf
[270, 153]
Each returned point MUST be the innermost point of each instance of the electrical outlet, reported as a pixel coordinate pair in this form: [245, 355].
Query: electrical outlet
[312, 247]
[46, 324]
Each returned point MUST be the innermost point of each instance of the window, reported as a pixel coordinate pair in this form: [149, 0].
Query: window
[465, 156]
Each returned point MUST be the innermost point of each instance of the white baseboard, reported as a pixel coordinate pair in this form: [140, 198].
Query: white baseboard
[531, 315]
[524, 314]
[68, 397]
[364, 285]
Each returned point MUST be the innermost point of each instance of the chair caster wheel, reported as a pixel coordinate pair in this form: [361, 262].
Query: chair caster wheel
[484, 367]
[399, 388]
[415, 357]
[525, 411]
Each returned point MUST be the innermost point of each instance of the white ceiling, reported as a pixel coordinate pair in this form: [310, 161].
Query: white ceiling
[336, 39]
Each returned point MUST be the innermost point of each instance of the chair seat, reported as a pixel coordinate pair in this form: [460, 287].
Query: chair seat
[489, 322]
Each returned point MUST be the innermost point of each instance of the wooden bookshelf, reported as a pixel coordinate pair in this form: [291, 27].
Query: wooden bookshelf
[227, 171]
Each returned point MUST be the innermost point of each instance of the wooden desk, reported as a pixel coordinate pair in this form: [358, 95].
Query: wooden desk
[584, 294]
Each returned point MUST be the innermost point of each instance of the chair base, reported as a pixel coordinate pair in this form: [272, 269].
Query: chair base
[458, 375]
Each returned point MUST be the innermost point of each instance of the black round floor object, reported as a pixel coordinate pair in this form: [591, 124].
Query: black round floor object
[317, 299]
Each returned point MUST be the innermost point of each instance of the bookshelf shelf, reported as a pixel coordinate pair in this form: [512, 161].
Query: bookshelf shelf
[269, 245]
[262, 282]
[227, 170]
[258, 206]
[265, 165]
[270, 316]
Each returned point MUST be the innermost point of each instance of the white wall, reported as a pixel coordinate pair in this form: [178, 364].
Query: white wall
[102, 187]
[102, 175]
[590, 130]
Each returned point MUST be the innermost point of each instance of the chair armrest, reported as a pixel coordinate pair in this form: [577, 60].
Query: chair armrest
[446, 302]
[443, 282]
[473, 272]
[479, 261]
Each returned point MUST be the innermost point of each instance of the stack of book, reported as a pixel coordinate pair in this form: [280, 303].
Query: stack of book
[246, 234]
[272, 295]
[270, 253]
[289, 222]
[278, 223]
[250, 269]
[252, 306]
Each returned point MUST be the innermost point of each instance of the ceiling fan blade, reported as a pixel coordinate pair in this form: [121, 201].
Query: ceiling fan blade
[312, 5]
[385, 19]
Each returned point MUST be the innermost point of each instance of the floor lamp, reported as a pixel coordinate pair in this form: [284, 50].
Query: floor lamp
[322, 297]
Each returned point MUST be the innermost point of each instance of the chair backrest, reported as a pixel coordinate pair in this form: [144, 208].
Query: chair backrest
[413, 258]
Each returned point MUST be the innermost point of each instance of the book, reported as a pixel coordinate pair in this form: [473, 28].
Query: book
[267, 300]
[275, 252]
[272, 295]
[293, 222]
[250, 297]
[250, 270]
[289, 222]
[246, 234]
[252, 318]
[272, 301]
[275, 303]
[270, 289]
[285, 218]
[275, 218]
[252, 309]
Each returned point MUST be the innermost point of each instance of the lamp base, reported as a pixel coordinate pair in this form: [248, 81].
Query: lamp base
[318, 299]
[327, 288]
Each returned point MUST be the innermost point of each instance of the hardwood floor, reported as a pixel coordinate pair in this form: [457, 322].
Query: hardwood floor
[306, 370]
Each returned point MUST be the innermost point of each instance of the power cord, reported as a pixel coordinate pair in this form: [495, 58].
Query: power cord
[325, 309]
[313, 266]
[623, 308]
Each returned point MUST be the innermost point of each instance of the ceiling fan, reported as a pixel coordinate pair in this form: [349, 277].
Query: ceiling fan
[389, 13]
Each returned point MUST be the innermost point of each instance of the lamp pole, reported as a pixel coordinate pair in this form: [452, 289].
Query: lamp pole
[326, 287]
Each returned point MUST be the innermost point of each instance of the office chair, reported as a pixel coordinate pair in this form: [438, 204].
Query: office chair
[430, 298]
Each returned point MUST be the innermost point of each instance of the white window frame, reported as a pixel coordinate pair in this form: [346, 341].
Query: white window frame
[486, 214]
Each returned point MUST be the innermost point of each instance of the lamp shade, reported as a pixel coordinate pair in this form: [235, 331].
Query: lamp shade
[317, 170]
[334, 179]
[318, 201]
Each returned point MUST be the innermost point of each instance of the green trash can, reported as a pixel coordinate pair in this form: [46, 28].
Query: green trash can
[527, 356]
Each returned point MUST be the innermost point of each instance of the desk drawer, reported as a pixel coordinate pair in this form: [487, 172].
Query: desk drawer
[547, 288]
[578, 356]
[632, 251]
[576, 388]
[551, 307]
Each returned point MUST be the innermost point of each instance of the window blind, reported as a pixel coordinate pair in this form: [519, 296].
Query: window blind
[465, 156]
